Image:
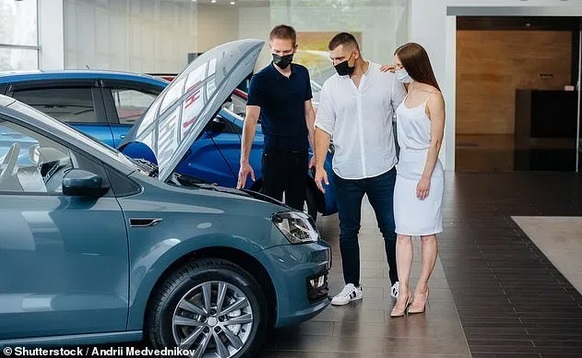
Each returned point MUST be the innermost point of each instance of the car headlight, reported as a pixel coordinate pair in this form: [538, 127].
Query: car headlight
[297, 226]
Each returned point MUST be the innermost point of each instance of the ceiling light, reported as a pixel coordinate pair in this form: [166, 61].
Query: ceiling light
[233, 2]
[213, 1]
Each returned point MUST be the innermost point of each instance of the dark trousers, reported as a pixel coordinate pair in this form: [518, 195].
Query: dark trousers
[286, 172]
[349, 195]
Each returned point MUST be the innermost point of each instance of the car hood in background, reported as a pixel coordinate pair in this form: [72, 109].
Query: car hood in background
[182, 110]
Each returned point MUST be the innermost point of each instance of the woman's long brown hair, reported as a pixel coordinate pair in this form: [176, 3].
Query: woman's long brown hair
[415, 61]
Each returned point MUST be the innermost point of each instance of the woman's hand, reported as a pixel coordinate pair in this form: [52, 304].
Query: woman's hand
[386, 68]
[423, 188]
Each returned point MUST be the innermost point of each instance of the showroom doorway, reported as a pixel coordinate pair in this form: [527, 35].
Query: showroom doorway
[517, 93]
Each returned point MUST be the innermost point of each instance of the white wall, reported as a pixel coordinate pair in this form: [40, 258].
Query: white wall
[255, 22]
[143, 35]
[136, 35]
[51, 35]
[430, 26]
[217, 25]
[156, 35]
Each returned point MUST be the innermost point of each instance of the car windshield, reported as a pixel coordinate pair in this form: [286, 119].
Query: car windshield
[100, 147]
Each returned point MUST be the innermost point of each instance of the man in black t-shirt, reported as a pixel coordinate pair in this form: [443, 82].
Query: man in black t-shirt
[280, 95]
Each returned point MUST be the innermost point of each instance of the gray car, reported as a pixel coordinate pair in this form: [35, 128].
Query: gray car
[97, 248]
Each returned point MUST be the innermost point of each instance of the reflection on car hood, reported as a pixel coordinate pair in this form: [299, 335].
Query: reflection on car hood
[182, 110]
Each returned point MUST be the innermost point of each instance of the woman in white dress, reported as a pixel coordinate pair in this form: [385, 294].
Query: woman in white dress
[418, 193]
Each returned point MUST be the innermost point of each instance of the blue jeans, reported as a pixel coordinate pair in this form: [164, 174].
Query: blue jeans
[380, 191]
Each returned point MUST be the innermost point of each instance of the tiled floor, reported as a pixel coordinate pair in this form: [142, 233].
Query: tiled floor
[510, 297]
[364, 328]
[493, 294]
[501, 153]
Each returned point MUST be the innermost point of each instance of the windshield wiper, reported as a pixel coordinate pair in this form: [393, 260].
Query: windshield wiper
[150, 168]
[188, 180]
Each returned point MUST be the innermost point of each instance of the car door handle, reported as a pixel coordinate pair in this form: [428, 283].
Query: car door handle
[144, 222]
[122, 136]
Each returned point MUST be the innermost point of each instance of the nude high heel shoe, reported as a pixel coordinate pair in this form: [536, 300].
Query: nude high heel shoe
[399, 313]
[423, 308]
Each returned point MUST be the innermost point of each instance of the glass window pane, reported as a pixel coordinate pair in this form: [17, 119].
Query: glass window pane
[30, 162]
[18, 23]
[12, 59]
[130, 104]
[71, 105]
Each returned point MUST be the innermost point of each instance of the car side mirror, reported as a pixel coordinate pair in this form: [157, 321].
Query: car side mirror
[79, 182]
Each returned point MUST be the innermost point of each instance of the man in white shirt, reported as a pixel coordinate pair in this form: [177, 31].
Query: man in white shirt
[355, 111]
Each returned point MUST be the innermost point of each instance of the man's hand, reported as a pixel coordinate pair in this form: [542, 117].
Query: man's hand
[243, 173]
[386, 68]
[321, 176]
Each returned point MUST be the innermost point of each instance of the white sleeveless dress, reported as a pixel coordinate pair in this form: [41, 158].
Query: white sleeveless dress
[413, 216]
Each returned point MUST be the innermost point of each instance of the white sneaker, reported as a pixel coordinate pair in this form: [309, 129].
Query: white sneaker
[348, 294]
[394, 289]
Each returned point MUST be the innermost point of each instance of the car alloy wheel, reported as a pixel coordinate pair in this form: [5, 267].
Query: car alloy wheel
[214, 318]
[209, 307]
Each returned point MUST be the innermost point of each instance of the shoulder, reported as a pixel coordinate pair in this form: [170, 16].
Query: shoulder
[299, 68]
[435, 100]
[331, 82]
[377, 73]
[434, 94]
[263, 73]
[260, 78]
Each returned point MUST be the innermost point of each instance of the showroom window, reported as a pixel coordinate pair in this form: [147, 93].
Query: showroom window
[18, 35]
[380, 26]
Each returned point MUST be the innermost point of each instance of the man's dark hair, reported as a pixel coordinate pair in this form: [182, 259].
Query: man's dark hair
[343, 38]
[284, 32]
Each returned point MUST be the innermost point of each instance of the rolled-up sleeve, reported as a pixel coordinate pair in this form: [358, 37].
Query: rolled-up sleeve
[326, 117]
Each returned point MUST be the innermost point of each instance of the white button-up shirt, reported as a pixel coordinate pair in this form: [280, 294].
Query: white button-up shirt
[359, 120]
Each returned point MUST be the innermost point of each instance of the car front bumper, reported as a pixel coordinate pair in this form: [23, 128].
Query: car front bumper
[299, 274]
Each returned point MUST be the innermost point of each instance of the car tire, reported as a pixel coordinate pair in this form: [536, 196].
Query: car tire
[179, 310]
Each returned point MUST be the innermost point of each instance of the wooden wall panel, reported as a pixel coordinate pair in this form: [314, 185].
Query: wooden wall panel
[491, 65]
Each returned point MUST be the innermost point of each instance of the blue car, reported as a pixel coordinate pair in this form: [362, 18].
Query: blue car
[106, 104]
[97, 248]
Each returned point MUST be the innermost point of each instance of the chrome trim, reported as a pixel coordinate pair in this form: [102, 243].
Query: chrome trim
[145, 222]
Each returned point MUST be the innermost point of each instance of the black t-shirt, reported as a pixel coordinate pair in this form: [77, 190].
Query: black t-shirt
[282, 102]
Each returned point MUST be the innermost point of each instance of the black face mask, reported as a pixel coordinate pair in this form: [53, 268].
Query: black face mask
[343, 68]
[282, 61]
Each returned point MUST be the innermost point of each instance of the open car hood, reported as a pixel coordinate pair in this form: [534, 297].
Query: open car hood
[178, 115]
